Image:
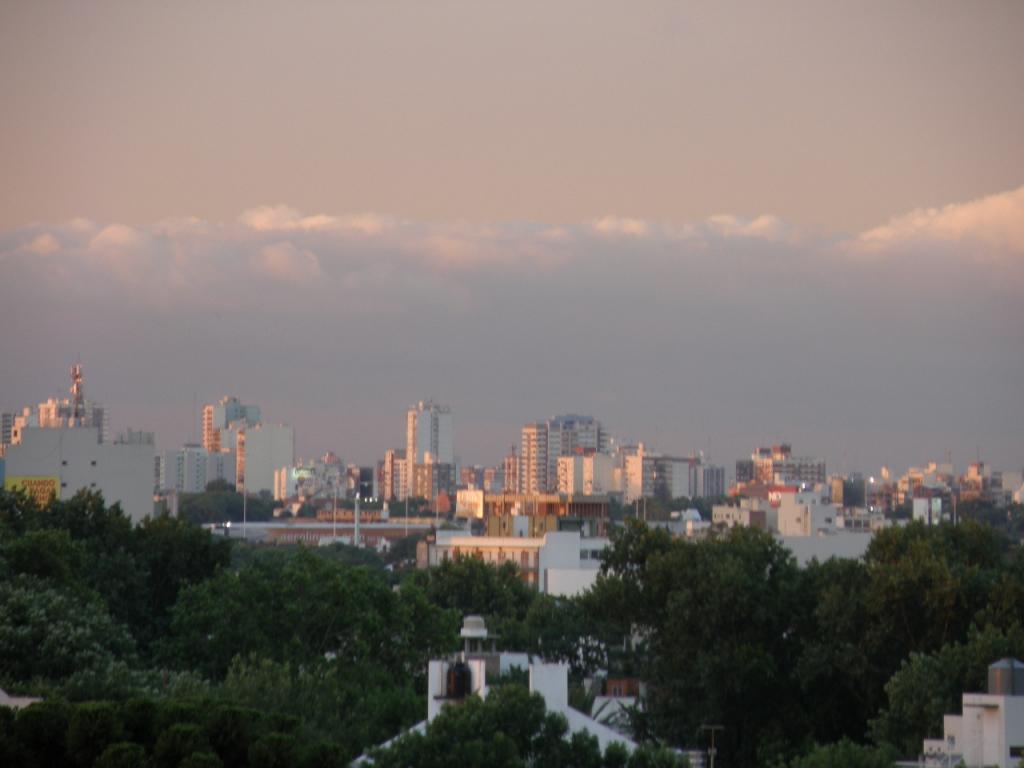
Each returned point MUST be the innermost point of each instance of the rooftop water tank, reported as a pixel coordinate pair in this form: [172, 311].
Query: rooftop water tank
[1006, 678]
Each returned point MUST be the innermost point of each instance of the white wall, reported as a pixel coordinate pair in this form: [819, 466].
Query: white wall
[122, 472]
[268, 447]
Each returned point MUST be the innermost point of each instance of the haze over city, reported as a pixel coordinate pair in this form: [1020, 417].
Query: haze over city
[712, 226]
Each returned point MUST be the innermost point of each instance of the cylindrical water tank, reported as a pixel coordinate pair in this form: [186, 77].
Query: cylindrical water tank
[1006, 678]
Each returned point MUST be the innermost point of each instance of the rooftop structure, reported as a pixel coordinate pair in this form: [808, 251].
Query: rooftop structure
[990, 730]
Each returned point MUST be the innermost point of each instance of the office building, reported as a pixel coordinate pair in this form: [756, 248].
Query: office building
[60, 461]
[219, 416]
[261, 450]
[543, 443]
[778, 465]
[429, 439]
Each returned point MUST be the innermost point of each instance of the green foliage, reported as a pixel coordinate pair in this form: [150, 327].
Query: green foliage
[178, 742]
[844, 754]
[123, 754]
[300, 609]
[41, 732]
[275, 750]
[220, 505]
[471, 586]
[509, 728]
[84, 546]
[49, 633]
[93, 727]
[201, 760]
[732, 631]
[357, 706]
[927, 686]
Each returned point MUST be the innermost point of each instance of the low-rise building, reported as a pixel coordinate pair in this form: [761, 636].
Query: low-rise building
[990, 729]
[561, 563]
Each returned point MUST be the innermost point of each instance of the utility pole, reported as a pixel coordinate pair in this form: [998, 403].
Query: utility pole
[355, 534]
[711, 750]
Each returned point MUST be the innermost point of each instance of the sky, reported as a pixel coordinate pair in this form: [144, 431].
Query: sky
[710, 225]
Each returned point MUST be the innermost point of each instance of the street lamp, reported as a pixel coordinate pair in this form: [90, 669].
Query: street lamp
[711, 750]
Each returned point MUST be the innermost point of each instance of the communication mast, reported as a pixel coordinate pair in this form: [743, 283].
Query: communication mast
[77, 395]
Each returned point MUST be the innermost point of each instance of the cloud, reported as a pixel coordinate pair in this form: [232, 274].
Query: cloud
[282, 218]
[43, 245]
[621, 226]
[761, 325]
[995, 222]
[117, 237]
[189, 262]
[284, 262]
[765, 227]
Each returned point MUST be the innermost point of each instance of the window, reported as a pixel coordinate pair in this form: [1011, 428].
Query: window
[524, 559]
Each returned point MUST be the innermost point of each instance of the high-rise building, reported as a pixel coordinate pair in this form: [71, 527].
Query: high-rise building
[192, 468]
[542, 444]
[586, 473]
[429, 430]
[262, 450]
[710, 481]
[510, 472]
[647, 474]
[219, 416]
[60, 460]
[533, 459]
[494, 479]
[431, 479]
[471, 477]
[6, 425]
[778, 465]
[392, 481]
[568, 433]
[428, 440]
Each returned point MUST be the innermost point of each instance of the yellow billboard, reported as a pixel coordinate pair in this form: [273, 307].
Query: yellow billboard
[38, 488]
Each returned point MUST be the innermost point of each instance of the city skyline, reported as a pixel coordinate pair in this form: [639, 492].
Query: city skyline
[700, 222]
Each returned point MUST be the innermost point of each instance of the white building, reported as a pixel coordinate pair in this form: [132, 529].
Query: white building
[191, 468]
[262, 450]
[586, 474]
[429, 439]
[804, 513]
[428, 430]
[451, 681]
[990, 730]
[64, 460]
[284, 483]
[646, 474]
[562, 563]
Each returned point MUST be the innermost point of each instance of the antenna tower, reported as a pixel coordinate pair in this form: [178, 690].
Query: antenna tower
[77, 394]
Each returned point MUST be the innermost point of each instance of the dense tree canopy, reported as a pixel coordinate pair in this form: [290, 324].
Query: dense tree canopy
[159, 644]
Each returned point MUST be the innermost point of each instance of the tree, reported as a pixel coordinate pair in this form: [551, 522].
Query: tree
[927, 686]
[302, 608]
[720, 618]
[844, 754]
[123, 754]
[93, 727]
[511, 727]
[49, 634]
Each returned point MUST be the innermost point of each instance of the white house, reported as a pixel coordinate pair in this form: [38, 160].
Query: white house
[450, 681]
